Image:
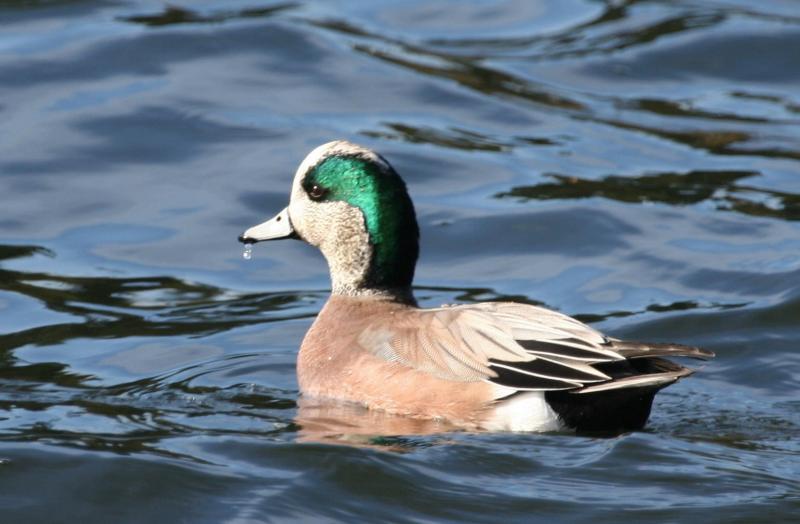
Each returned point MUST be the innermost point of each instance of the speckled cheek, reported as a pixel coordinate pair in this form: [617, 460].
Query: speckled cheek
[338, 224]
[301, 213]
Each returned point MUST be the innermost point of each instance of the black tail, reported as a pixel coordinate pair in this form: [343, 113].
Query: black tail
[621, 404]
[607, 413]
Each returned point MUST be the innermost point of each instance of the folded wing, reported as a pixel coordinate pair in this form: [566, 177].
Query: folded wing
[523, 347]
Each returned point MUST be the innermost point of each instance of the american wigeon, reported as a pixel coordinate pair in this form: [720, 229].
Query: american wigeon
[493, 365]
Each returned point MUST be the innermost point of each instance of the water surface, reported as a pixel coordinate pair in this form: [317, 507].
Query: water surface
[636, 164]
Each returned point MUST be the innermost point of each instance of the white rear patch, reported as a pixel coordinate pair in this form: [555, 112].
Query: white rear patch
[523, 412]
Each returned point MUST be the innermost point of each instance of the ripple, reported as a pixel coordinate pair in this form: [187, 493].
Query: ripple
[723, 188]
[631, 163]
[172, 15]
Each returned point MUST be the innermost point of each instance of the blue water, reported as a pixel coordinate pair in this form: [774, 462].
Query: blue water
[635, 164]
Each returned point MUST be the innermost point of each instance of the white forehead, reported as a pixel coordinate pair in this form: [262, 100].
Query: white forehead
[336, 148]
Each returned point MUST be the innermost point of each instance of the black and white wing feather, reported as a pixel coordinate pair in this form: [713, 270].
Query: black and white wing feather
[519, 346]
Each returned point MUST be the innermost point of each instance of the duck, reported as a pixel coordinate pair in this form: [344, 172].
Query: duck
[494, 366]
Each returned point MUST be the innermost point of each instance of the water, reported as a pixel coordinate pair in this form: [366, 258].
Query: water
[247, 252]
[636, 164]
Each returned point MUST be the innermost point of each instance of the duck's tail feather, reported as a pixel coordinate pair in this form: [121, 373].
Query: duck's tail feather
[631, 349]
[653, 380]
[651, 372]
[623, 403]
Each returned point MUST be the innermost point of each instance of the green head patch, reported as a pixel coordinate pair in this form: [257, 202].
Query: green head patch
[379, 192]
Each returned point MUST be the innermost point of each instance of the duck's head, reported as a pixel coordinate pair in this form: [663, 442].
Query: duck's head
[350, 203]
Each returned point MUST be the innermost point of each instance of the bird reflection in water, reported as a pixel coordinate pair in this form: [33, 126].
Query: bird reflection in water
[326, 421]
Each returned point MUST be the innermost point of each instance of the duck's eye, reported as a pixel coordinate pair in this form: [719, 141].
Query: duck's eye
[317, 192]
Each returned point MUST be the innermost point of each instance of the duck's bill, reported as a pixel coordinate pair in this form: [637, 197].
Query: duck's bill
[277, 227]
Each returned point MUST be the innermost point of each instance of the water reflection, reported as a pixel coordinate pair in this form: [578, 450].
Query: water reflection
[172, 15]
[452, 138]
[108, 308]
[611, 30]
[720, 187]
[154, 376]
[467, 62]
[456, 138]
[463, 70]
[719, 142]
[331, 422]
[683, 108]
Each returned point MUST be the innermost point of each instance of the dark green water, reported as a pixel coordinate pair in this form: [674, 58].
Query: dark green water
[636, 164]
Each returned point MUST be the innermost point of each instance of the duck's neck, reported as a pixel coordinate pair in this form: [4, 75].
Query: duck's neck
[363, 264]
[363, 273]
[399, 295]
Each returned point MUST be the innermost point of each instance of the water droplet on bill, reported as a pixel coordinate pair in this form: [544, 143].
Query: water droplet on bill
[247, 254]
